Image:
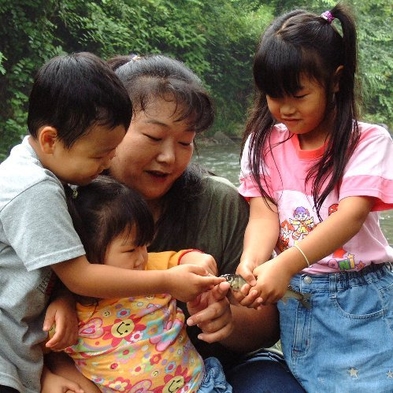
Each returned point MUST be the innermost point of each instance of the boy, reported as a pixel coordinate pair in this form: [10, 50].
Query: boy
[78, 113]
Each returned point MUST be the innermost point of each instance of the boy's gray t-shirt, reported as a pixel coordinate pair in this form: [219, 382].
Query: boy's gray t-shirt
[36, 231]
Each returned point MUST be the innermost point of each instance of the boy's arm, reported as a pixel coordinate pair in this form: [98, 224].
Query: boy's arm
[184, 282]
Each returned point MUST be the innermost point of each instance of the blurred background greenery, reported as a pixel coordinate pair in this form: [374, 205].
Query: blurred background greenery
[216, 39]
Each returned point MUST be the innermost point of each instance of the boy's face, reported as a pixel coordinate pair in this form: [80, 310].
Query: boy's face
[87, 157]
[122, 252]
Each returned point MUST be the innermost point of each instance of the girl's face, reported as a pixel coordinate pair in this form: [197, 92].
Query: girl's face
[304, 113]
[155, 151]
[123, 253]
[87, 157]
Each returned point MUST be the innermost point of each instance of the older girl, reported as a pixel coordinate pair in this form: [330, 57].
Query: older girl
[316, 178]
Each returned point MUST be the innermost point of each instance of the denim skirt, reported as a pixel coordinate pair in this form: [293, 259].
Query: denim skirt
[214, 380]
[344, 342]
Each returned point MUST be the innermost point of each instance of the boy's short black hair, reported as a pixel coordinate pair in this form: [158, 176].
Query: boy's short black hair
[74, 92]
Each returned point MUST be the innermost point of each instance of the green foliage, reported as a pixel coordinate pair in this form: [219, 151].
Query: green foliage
[376, 59]
[231, 43]
[27, 37]
[216, 39]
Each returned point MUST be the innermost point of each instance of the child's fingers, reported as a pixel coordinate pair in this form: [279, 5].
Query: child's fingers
[59, 340]
[246, 273]
[54, 340]
[72, 387]
[49, 320]
[252, 300]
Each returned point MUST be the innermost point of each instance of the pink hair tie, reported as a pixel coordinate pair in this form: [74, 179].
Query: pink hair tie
[327, 15]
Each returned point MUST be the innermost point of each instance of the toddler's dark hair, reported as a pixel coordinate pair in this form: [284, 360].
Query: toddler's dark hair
[104, 209]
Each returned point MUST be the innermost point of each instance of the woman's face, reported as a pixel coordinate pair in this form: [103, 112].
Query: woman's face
[155, 151]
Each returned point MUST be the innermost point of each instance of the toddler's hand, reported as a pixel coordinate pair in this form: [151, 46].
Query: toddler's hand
[62, 319]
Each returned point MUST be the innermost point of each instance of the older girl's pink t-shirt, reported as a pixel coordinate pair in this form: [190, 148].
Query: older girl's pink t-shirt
[369, 172]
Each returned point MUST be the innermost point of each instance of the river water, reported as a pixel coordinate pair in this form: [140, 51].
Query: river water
[223, 160]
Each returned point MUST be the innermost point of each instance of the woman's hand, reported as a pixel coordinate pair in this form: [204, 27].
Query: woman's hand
[212, 313]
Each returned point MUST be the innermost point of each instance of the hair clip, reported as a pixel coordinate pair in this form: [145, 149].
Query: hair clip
[327, 15]
[135, 57]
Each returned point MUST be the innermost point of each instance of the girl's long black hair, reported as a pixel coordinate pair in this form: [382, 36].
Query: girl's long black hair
[296, 44]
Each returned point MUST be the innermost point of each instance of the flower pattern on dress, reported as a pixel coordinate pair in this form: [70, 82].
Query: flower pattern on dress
[135, 345]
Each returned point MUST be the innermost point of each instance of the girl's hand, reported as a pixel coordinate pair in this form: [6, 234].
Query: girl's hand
[52, 383]
[62, 319]
[258, 242]
[273, 280]
[186, 281]
[211, 311]
[248, 295]
[246, 269]
[199, 258]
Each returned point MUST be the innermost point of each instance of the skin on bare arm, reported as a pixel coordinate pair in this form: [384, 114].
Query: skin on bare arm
[274, 275]
[260, 238]
[61, 364]
[257, 328]
[184, 282]
[52, 383]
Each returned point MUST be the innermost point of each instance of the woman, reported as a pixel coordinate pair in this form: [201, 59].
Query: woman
[194, 210]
